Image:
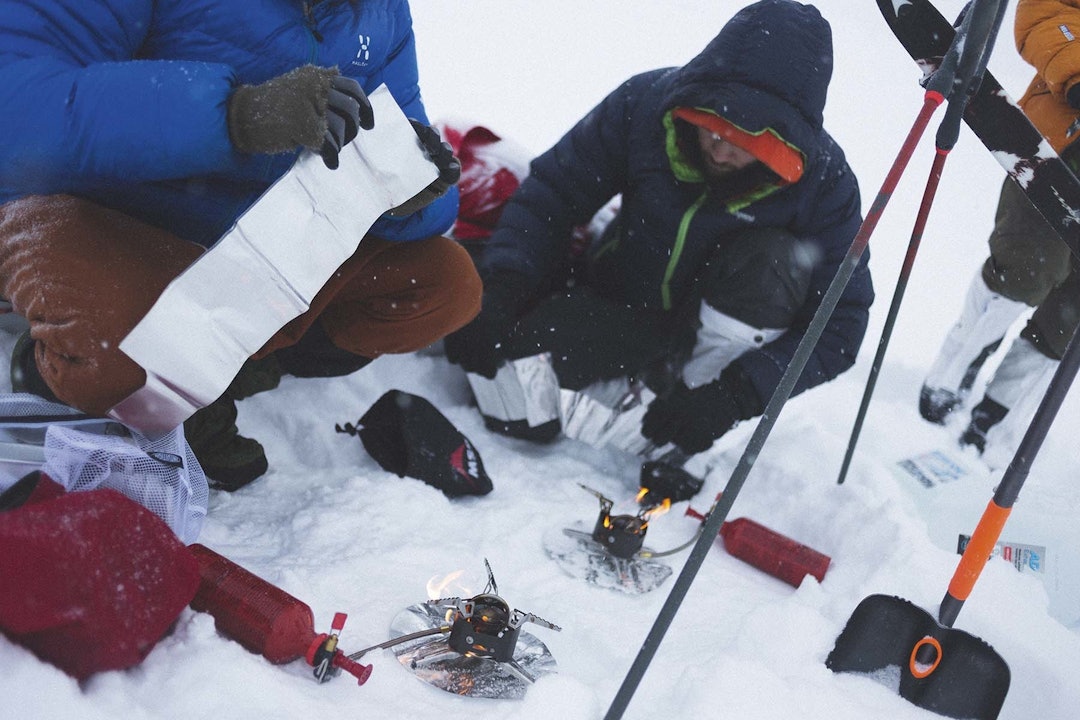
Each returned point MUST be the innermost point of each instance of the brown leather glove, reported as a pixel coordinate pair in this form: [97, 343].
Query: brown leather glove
[312, 107]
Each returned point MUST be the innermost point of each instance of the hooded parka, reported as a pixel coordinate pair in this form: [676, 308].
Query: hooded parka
[767, 70]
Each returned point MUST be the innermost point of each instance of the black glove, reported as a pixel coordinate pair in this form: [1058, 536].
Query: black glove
[1073, 97]
[693, 419]
[663, 480]
[347, 110]
[480, 346]
[312, 107]
[442, 156]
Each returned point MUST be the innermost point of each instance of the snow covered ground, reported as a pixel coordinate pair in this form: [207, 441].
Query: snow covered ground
[328, 525]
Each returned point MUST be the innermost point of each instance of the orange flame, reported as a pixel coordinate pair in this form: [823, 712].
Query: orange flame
[654, 512]
[441, 586]
[659, 509]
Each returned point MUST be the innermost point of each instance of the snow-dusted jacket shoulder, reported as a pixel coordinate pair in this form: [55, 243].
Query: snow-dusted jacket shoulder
[123, 101]
[1047, 35]
[766, 69]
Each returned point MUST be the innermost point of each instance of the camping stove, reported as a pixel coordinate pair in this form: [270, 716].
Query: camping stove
[620, 535]
[482, 628]
[484, 625]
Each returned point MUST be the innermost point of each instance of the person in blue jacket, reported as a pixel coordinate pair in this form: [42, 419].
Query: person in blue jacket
[134, 135]
[736, 210]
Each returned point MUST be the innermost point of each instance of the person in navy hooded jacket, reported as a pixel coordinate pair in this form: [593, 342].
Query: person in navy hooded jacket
[736, 210]
[134, 135]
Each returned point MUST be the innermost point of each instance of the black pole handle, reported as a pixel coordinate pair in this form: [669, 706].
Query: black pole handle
[963, 66]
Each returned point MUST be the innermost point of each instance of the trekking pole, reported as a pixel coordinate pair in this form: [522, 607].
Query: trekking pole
[967, 71]
[722, 506]
[894, 307]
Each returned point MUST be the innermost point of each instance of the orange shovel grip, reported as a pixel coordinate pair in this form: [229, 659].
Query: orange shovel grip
[978, 550]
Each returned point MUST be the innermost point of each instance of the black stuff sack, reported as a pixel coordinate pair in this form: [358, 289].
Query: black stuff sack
[408, 436]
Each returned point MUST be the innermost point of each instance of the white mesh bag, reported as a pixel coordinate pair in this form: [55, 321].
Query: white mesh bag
[82, 453]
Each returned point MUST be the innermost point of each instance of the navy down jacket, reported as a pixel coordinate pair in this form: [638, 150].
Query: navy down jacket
[123, 101]
[768, 68]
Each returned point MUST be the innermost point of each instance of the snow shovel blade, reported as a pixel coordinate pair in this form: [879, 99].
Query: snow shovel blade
[942, 669]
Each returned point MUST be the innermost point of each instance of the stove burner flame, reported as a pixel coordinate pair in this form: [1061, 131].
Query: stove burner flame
[438, 586]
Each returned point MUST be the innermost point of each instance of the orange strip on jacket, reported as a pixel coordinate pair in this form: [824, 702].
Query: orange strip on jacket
[766, 146]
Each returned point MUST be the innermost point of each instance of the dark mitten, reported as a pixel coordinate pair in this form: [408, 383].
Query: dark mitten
[310, 107]
[693, 419]
[481, 346]
[663, 480]
[442, 156]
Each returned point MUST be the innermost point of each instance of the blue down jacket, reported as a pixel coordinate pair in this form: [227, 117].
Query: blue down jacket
[123, 101]
[769, 67]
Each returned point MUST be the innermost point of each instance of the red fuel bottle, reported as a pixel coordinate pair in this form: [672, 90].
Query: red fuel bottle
[769, 551]
[267, 620]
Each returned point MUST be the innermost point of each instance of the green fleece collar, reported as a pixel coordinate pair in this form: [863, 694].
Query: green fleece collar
[686, 171]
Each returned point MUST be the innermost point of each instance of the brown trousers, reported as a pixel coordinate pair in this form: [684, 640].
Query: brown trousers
[84, 276]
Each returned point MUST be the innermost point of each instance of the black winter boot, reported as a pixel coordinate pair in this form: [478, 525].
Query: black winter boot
[935, 404]
[229, 459]
[255, 376]
[984, 416]
[24, 371]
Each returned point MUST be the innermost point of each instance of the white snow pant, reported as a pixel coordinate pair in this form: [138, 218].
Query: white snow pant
[984, 319]
[1019, 384]
[720, 340]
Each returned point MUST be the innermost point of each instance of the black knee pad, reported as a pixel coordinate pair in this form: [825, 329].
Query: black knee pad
[760, 276]
[590, 337]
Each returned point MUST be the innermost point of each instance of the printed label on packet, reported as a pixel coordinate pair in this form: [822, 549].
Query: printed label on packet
[933, 468]
[1024, 557]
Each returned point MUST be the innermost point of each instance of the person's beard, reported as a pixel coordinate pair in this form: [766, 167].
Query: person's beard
[714, 170]
[725, 181]
[736, 182]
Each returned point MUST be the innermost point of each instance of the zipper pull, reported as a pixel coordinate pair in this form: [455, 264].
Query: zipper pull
[309, 20]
